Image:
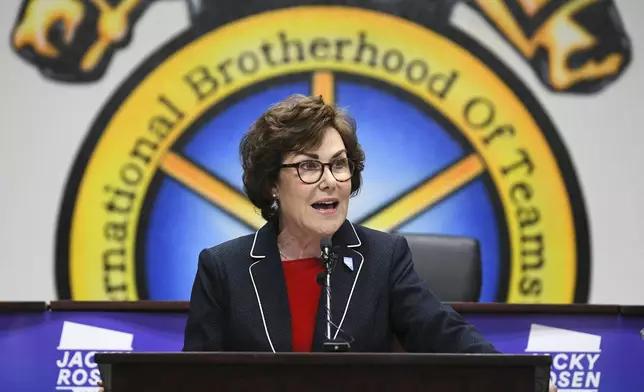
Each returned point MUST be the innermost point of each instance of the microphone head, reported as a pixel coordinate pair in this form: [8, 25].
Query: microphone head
[325, 242]
[325, 249]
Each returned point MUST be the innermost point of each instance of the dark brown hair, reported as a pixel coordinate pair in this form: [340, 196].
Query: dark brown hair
[294, 125]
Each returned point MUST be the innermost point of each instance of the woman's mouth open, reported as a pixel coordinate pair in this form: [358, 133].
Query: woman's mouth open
[326, 206]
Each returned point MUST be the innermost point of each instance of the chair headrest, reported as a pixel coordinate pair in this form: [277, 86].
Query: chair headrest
[450, 265]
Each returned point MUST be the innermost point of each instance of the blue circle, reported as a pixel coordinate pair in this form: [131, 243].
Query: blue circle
[404, 146]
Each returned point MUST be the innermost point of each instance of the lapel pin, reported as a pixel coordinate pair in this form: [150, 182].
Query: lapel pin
[348, 261]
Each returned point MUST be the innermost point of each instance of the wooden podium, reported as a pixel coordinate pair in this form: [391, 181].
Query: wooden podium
[329, 372]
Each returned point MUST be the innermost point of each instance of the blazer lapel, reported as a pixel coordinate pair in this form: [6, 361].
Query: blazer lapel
[344, 278]
[269, 283]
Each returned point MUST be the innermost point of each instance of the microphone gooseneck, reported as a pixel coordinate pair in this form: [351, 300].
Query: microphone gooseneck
[328, 258]
[325, 248]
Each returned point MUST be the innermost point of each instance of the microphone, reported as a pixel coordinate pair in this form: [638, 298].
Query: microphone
[325, 246]
[325, 254]
[328, 258]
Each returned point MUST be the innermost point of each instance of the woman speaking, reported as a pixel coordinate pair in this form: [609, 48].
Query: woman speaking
[265, 292]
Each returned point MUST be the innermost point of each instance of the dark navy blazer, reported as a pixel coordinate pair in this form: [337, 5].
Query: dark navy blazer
[239, 300]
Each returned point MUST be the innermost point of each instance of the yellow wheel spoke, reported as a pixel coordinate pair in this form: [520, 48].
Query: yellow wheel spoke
[427, 194]
[221, 194]
[387, 219]
[323, 84]
[214, 190]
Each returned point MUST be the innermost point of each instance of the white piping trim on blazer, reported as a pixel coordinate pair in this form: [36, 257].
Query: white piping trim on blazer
[358, 238]
[259, 301]
[261, 309]
[346, 308]
[252, 248]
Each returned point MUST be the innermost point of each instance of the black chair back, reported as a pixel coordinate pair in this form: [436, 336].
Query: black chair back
[450, 265]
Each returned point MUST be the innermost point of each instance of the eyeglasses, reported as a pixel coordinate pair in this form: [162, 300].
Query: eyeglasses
[310, 171]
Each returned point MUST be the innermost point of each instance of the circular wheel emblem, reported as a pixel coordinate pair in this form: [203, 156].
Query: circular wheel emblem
[455, 145]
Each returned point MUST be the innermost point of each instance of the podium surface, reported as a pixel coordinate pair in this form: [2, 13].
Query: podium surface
[125, 372]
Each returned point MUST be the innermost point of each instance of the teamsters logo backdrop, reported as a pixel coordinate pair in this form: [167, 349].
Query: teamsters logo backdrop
[456, 144]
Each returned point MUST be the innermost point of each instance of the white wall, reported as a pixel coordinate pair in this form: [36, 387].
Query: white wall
[601, 132]
[36, 158]
[605, 144]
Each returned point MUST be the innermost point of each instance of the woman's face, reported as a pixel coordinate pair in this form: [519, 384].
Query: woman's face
[319, 208]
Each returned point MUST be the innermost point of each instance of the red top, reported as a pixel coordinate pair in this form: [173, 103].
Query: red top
[303, 297]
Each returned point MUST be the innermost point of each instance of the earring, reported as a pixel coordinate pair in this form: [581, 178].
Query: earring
[275, 205]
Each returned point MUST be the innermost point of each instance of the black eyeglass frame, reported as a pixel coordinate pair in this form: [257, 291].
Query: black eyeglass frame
[296, 165]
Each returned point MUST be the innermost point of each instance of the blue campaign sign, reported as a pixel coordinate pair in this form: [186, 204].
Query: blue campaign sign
[589, 352]
[53, 351]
